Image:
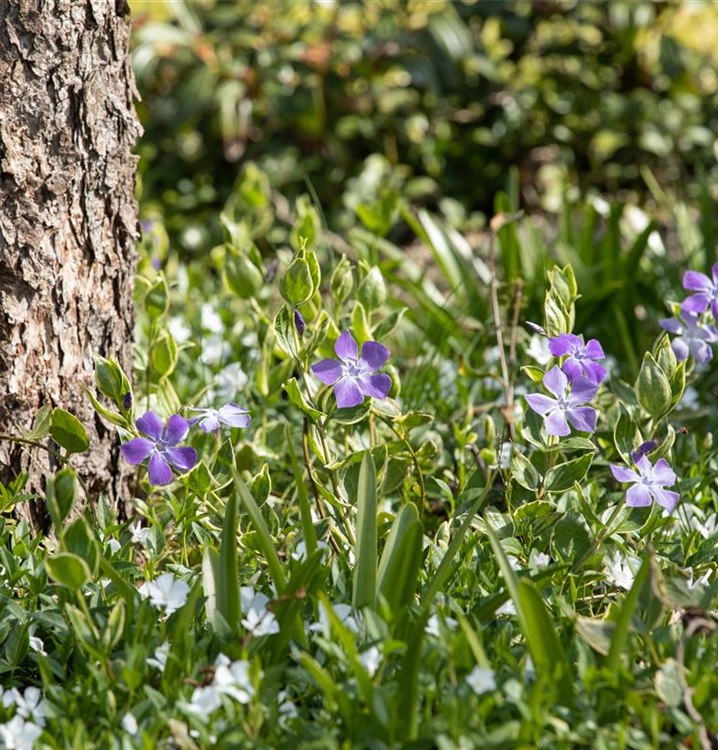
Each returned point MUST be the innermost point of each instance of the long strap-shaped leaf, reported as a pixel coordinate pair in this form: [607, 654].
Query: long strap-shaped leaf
[366, 548]
[544, 645]
[227, 590]
[265, 538]
[623, 621]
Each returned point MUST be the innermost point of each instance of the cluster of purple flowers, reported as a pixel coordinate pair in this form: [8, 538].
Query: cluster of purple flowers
[573, 386]
[693, 330]
[161, 444]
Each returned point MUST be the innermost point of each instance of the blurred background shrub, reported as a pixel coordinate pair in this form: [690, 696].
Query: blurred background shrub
[437, 98]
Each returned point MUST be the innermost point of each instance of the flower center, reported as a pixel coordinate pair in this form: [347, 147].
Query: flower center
[353, 369]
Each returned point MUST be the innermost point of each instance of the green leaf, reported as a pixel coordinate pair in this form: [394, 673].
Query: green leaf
[364, 590]
[241, 276]
[372, 290]
[265, 538]
[296, 285]
[163, 354]
[68, 569]
[563, 476]
[228, 602]
[297, 398]
[79, 539]
[401, 559]
[67, 431]
[653, 390]
[309, 533]
[571, 536]
[626, 437]
[523, 471]
[546, 651]
[157, 299]
[625, 614]
[61, 496]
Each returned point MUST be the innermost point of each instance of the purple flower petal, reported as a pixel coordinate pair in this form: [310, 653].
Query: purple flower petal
[234, 415]
[594, 350]
[701, 352]
[376, 386]
[373, 355]
[638, 496]
[624, 474]
[583, 418]
[555, 381]
[177, 429]
[644, 466]
[136, 451]
[210, 423]
[159, 470]
[582, 391]
[556, 424]
[643, 450]
[672, 325]
[347, 393]
[714, 308]
[328, 371]
[564, 344]
[666, 498]
[663, 473]
[696, 281]
[594, 372]
[151, 425]
[572, 367]
[680, 349]
[535, 327]
[183, 459]
[696, 303]
[346, 348]
[541, 404]
[299, 323]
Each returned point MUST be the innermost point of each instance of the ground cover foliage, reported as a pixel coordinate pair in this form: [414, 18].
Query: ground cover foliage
[401, 474]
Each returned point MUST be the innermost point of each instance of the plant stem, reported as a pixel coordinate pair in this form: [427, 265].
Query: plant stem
[605, 531]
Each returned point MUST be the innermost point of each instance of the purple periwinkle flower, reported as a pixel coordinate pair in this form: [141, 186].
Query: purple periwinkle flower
[127, 401]
[299, 323]
[567, 404]
[706, 292]
[643, 450]
[580, 358]
[692, 337]
[352, 376]
[160, 445]
[231, 415]
[649, 483]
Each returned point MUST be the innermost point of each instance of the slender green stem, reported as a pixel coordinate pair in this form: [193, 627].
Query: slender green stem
[414, 458]
[605, 531]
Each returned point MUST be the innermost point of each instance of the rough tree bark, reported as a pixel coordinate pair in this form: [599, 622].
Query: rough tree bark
[68, 220]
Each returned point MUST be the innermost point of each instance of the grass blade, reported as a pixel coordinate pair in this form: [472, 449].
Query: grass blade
[227, 592]
[364, 591]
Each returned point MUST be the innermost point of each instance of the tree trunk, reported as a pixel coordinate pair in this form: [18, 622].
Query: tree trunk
[68, 220]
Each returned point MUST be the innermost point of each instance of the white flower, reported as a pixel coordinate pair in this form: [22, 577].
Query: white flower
[706, 528]
[114, 546]
[343, 612]
[702, 581]
[300, 551]
[432, 626]
[514, 563]
[620, 571]
[258, 620]
[211, 320]
[18, 734]
[538, 350]
[205, 700]
[166, 592]
[159, 660]
[287, 709]
[214, 350]
[28, 705]
[180, 330]
[139, 533]
[129, 723]
[371, 660]
[36, 643]
[539, 560]
[507, 608]
[481, 680]
[233, 680]
[229, 381]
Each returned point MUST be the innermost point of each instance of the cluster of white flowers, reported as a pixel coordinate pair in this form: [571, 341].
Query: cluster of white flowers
[258, 620]
[231, 679]
[25, 727]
